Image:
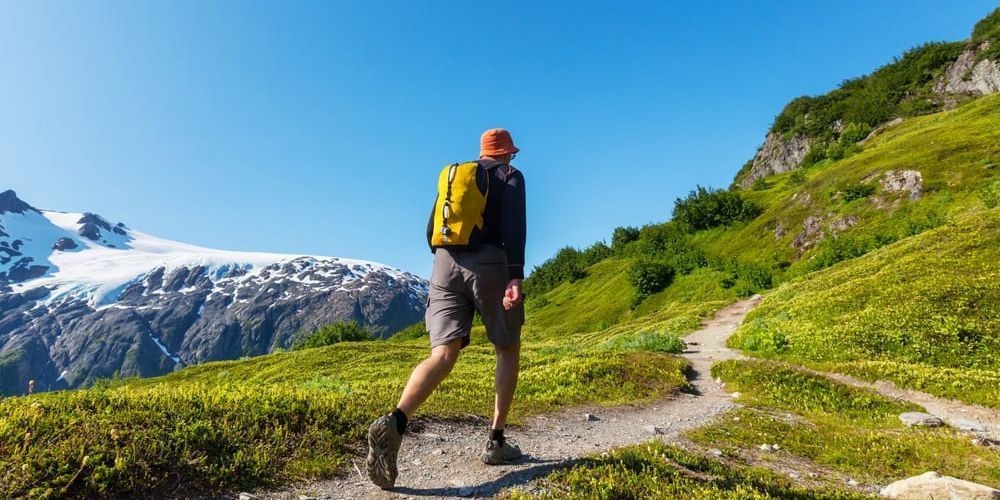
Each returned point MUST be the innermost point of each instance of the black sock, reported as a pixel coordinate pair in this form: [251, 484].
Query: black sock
[400, 421]
[497, 435]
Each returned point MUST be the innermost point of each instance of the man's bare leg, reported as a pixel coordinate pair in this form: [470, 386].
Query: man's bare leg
[428, 375]
[508, 363]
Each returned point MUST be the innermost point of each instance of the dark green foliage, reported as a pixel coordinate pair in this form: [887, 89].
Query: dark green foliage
[648, 341]
[835, 151]
[760, 184]
[648, 277]
[744, 170]
[990, 194]
[901, 88]
[705, 208]
[334, 333]
[988, 29]
[797, 178]
[854, 132]
[622, 236]
[595, 253]
[746, 277]
[843, 247]
[568, 265]
[414, 331]
[669, 243]
[815, 155]
[857, 191]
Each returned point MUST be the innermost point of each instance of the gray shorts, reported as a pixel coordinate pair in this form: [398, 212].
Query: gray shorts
[464, 282]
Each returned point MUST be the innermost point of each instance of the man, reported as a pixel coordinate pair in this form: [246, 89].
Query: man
[484, 279]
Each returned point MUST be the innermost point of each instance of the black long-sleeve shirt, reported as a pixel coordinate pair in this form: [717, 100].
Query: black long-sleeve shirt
[505, 223]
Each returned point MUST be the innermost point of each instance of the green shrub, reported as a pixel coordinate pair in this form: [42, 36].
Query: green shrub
[757, 337]
[835, 151]
[815, 155]
[649, 277]
[648, 341]
[857, 191]
[706, 208]
[414, 331]
[670, 243]
[854, 132]
[334, 333]
[988, 29]
[760, 184]
[747, 278]
[623, 235]
[567, 266]
[990, 194]
[842, 247]
[743, 172]
[797, 178]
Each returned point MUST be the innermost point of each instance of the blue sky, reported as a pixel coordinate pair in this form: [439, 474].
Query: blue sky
[320, 127]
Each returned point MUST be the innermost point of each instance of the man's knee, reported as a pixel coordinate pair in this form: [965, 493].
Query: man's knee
[512, 349]
[447, 353]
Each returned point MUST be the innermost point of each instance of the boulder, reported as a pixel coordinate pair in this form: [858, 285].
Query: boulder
[931, 485]
[967, 425]
[919, 419]
[904, 181]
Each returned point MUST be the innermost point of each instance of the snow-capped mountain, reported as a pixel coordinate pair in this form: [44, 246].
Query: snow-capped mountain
[82, 298]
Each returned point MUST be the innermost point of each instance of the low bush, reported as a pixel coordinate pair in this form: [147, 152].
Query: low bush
[333, 333]
[648, 341]
[669, 243]
[567, 266]
[623, 235]
[706, 208]
[857, 191]
[797, 178]
[854, 132]
[988, 30]
[648, 277]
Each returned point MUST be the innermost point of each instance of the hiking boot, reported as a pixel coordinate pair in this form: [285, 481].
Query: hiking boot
[496, 454]
[383, 446]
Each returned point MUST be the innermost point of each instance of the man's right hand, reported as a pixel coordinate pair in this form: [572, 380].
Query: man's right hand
[512, 295]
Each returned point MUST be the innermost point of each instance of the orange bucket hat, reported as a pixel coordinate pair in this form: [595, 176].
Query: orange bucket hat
[496, 142]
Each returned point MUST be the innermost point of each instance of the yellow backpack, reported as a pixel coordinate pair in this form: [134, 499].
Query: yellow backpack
[460, 206]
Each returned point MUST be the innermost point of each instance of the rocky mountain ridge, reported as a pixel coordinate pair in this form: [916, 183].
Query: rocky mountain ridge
[82, 298]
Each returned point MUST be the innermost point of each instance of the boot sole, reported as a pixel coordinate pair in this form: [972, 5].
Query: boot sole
[381, 464]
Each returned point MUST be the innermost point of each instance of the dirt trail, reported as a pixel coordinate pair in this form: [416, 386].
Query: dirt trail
[442, 460]
[975, 419]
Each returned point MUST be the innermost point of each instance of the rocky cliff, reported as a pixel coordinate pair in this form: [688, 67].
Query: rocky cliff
[82, 298]
[971, 74]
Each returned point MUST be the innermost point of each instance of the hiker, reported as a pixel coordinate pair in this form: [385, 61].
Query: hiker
[477, 233]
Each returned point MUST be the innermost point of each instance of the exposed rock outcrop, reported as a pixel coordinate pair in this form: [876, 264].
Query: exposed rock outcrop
[970, 74]
[777, 155]
[815, 228]
[904, 181]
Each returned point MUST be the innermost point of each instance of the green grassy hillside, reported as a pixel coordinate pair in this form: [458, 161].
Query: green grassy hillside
[924, 312]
